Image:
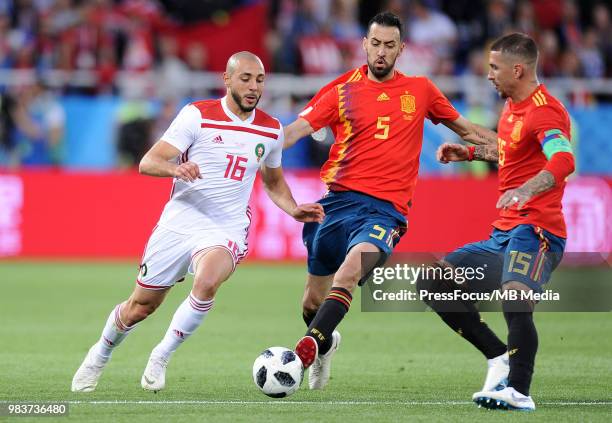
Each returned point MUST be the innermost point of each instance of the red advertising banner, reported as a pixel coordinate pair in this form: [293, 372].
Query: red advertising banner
[110, 215]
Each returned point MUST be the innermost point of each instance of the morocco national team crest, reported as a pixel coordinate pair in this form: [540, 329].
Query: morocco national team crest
[260, 150]
[408, 104]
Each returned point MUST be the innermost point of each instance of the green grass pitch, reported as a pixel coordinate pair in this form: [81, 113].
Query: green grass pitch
[391, 366]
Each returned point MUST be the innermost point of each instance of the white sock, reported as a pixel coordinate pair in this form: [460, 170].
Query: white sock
[113, 333]
[187, 318]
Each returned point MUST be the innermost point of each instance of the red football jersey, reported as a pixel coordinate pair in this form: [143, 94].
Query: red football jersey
[379, 133]
[350, 76]
[522, 130]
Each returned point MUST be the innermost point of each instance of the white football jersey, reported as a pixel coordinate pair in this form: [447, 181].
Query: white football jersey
[229, 151]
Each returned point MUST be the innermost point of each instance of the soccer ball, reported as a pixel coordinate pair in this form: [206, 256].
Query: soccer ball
[278, 372]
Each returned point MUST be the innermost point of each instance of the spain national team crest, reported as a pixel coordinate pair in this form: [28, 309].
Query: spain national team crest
[516, 131]
[260, 150]
[408, 103]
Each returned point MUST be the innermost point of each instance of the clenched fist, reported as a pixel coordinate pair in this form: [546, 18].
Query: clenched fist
[309, 212]
[188, 172]
[452, 153]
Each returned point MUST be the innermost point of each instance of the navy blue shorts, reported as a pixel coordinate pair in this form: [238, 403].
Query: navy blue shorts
[526, 254]
[350, 218]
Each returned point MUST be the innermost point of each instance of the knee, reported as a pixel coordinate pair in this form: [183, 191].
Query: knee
[205, 287]
[516, 301]
[424, 284]
[427, 283]
[514, 308]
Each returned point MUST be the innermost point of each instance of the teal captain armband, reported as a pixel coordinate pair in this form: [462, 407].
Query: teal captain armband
[555, 142]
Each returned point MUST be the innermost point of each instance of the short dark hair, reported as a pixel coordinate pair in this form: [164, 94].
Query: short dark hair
[517, 44]
[387, 19]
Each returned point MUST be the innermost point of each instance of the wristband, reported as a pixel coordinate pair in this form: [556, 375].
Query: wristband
[471, 150]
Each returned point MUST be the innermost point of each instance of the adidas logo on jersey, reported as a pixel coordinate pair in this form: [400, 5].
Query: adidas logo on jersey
[383, 97]
[218, 139]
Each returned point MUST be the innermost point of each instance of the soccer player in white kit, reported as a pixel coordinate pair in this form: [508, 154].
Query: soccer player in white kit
[213, 150]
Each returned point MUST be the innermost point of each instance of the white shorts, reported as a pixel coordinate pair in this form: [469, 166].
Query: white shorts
[168, 255]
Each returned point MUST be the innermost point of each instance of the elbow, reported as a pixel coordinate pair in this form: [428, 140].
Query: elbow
[142, 166]
[271, 186]
[268, 187]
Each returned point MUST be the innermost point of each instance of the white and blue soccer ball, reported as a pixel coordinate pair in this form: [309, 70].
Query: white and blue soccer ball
[278, 372]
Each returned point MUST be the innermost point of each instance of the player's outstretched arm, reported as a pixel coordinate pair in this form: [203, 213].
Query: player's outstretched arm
[458, 153]
[295, 131]
[279, 192]
[471, 132]
[157, 162]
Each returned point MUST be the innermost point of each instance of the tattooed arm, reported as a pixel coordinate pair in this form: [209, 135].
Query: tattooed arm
[471, 132]
[486, 153]
[538, 184]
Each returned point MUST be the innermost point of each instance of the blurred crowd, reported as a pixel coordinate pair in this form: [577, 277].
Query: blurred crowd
[304, 36]
[104, 37]
[575, 37]
[100, 36]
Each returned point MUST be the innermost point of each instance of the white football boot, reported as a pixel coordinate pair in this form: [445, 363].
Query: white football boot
[321, 368]
[498, 369]
[86, 377]
[504, 399]
[154, 376]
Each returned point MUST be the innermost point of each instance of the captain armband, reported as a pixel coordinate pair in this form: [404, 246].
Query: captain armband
[558, 152]
[555, 142]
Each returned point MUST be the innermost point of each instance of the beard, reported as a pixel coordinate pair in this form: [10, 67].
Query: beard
[244, 108]
[502, 94]
[380, 73]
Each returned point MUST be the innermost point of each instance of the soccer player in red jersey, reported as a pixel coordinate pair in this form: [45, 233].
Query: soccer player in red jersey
[535, 158]
[377, 115]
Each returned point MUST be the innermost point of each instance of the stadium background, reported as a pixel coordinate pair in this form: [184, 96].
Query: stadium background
[86, 86]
